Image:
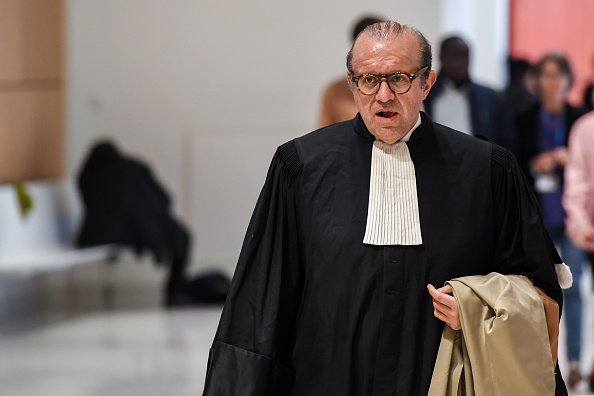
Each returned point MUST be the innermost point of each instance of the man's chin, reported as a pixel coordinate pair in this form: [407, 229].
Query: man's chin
[389, 135]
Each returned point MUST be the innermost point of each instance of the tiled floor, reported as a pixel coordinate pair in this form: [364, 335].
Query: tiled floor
[144, 352]
[128, 351]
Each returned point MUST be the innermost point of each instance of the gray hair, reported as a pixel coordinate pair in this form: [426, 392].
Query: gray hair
[390, 30]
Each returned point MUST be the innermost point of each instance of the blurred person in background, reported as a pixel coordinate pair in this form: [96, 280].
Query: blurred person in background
[459, 102]
[337, 100]
[542, 135]
[578, 198]
[518, 96]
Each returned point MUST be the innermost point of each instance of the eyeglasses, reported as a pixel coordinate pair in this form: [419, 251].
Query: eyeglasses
[399, 83]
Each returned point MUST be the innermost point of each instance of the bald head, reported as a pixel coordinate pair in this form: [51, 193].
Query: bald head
[390, 30]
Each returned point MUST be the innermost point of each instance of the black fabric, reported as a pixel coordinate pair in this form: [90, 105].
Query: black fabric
[248, 373]
[516, 200]
[591, 260]
[209, 287]
[126, 205]
[515, 99]
[589, 97]
[350, 319]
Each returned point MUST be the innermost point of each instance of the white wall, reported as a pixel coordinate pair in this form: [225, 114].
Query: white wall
[485, 25]
[205, 90]
[47, 226]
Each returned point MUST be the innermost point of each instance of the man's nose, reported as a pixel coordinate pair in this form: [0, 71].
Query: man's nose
[384, 94]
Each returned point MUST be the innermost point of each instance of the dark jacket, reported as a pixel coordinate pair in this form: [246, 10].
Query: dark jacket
[527, 127]
[485, 108]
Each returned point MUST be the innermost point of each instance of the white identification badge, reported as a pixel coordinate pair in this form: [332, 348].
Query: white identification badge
[546, 183]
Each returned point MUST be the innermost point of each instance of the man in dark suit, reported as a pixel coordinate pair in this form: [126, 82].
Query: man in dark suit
[459, 102]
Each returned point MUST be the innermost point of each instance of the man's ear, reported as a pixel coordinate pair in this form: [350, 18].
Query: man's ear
[431, 78]
[348, 80]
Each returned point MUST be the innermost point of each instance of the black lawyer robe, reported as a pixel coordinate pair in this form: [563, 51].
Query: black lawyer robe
[314, 311]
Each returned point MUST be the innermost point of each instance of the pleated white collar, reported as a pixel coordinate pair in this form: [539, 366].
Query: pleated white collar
[393, 210]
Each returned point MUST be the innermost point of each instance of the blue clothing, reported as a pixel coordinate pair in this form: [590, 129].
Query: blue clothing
[551, 135]
[572, 300]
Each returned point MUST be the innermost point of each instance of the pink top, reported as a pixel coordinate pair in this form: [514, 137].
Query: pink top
[578, 198]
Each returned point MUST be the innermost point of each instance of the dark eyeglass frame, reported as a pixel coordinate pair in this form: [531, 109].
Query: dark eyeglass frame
[384, 77]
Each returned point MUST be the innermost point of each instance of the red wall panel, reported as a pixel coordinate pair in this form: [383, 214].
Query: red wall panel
[539, 26]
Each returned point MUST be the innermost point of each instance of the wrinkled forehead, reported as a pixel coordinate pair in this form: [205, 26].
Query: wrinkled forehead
[382, 55]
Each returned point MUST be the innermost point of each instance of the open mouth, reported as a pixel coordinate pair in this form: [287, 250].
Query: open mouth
[386, 114]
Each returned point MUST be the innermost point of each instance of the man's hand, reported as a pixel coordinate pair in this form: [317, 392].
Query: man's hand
[445, 307]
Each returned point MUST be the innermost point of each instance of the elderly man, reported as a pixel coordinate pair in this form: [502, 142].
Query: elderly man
[333, 289]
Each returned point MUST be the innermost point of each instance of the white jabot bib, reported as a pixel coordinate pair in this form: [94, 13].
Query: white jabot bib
[393, 211]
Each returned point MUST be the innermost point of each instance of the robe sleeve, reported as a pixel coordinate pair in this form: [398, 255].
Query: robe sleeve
[522, 245]
[257, 326]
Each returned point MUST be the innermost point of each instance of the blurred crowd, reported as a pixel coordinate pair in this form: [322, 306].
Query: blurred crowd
[552, 140]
